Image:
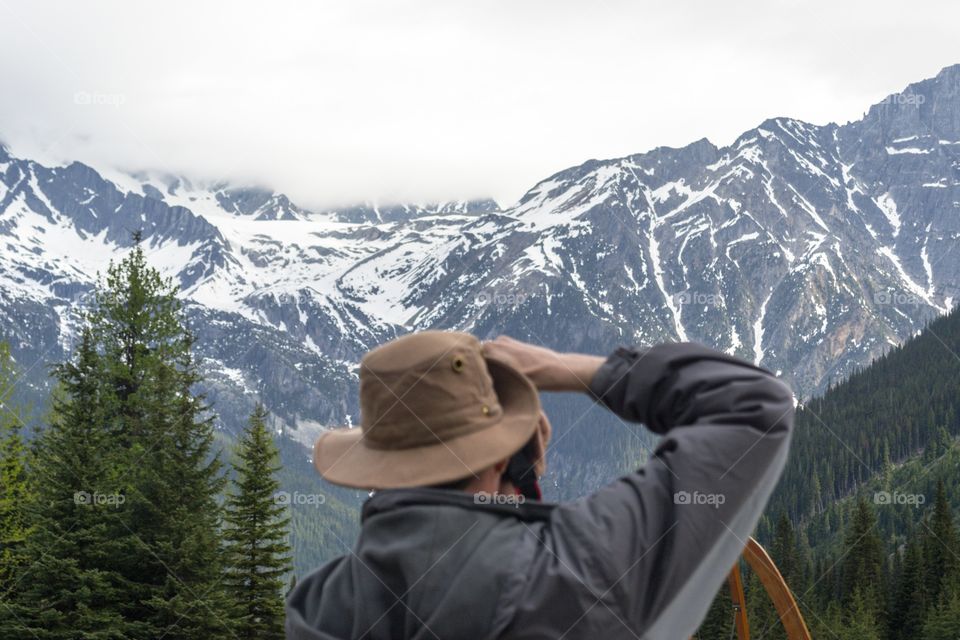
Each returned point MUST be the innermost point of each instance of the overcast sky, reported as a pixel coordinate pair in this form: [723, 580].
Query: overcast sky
[337, 102]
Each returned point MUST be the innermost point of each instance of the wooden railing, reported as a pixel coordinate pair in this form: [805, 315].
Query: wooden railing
[777, 590]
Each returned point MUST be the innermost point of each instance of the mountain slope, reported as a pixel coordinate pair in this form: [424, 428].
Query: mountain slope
[890, 412]
[810, 249]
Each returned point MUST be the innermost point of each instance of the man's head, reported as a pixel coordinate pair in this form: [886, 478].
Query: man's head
[435, 408]
[500, 477]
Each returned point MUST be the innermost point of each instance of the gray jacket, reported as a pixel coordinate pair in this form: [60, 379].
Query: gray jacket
[640, 558]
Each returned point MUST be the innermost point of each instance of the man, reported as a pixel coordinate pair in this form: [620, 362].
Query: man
[438, 557]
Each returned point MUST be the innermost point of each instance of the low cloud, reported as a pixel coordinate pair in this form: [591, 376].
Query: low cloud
[339, 102]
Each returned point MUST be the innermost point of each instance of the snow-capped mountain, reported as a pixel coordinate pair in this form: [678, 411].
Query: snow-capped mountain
[809, 249]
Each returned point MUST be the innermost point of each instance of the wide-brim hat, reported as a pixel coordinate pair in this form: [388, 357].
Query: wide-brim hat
[434, 408]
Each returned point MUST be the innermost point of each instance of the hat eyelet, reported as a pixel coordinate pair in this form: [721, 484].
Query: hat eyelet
[485, 410]
[457, 364]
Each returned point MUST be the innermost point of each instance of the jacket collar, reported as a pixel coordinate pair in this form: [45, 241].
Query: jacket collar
[391, 499]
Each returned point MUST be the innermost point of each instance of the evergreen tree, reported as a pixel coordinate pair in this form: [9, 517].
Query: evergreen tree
[802, 584]
[942, 545]
[784, 549]
[150, 563]
[827, 624]
[859, 621]
[863, 565]
[898, 419]
[939, 444]
[165, 429]
[886, 465]
[74, 588]
[908, 606]
[257, 535]
[816, 495]
[13, 478]
[178, 485]
[943, 623]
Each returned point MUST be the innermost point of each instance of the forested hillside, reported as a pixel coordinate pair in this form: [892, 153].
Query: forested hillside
[879, 416]
[862, 524]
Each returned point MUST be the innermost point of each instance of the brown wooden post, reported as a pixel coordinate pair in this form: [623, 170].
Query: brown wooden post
[735, 583]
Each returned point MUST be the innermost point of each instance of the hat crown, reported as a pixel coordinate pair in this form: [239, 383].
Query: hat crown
[425, 388]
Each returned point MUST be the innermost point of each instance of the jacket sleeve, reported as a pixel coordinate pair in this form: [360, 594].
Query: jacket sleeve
[661, 540]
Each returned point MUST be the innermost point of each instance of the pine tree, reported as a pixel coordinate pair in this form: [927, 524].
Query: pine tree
[257, 535]
[943, 623]
[74, 588]
[175, 577]
[860, 620]
[863, 565]
[178, 487]
[804, 582]
[938, 445]
[827, 624]
[886, 465]
[784, 549]
[816, 495]
[942, 544]
[14, 495]
[13, 478]
[909, 604]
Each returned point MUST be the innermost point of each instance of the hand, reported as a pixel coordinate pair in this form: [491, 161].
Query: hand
[547, 369]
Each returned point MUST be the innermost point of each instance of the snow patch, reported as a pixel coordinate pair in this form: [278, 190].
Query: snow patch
[889, 209]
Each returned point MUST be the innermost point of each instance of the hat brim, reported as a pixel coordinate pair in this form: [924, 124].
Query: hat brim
[343, 457]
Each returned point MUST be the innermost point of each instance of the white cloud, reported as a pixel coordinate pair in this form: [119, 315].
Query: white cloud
[336, 102]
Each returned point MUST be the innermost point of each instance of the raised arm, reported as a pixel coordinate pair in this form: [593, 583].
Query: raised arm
[662, 539]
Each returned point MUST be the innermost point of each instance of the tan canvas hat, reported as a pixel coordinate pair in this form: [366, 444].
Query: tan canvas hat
[433, 408]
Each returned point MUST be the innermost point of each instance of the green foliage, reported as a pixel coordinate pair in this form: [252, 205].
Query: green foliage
[319, 531]
[862, 568]
[127, 540]
[944, 621]
[258, 552]
[74, 584]
[14, 496]
[784, 548]
[864, 528]
[941, 546]
[763, 619]
[910, 600]
[13, 477]
[906, 402]
[165, 434]
[859, 621]
[719, 619]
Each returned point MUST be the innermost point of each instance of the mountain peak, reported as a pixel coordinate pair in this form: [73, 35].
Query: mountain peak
[928, 109]
[949, 71]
